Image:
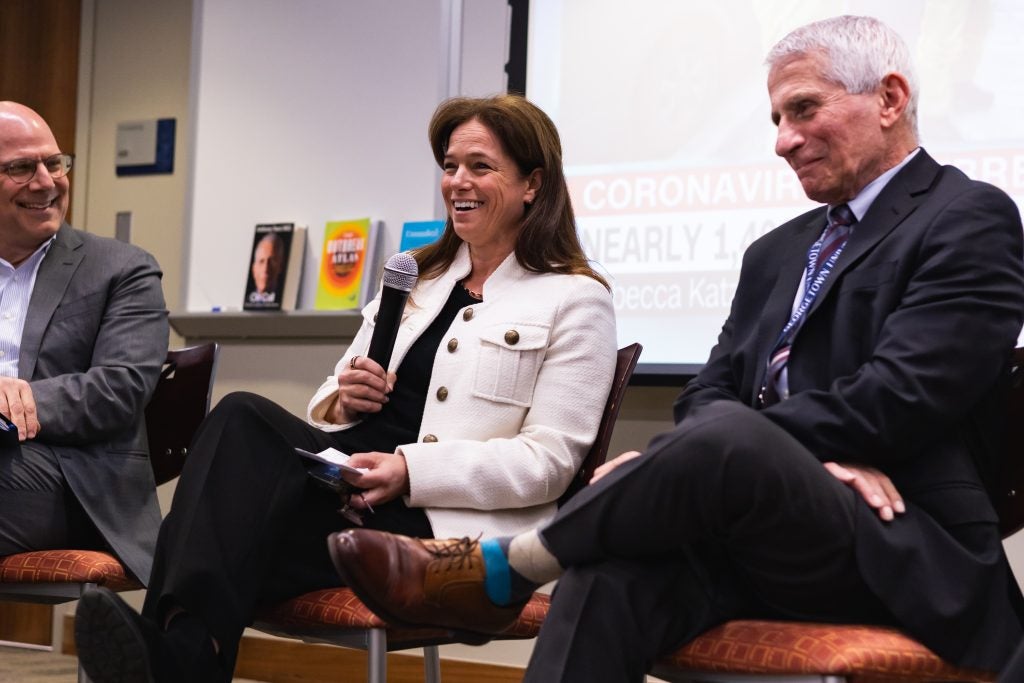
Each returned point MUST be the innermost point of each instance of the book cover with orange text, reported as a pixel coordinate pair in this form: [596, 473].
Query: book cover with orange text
[346, 278]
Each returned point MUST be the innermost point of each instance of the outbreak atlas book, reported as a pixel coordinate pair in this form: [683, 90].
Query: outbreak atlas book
[348, 264]
[275, 267]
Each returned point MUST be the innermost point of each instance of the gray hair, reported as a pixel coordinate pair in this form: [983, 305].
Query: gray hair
[861, 51]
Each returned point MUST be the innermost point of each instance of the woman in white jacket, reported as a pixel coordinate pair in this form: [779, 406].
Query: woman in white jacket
[502, 364]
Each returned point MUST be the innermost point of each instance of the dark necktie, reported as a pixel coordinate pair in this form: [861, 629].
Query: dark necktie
[840, 223]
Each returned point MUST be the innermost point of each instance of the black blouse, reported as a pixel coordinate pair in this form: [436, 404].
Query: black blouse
[399, 420]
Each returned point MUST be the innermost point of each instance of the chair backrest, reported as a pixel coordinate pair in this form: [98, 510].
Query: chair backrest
[179, 403]
[1009, 496]
[624, 366]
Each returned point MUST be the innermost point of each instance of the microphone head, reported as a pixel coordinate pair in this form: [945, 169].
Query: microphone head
[401, 271]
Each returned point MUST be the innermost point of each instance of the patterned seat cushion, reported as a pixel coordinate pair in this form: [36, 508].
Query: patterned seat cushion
[865, 653]
[66, 566]
[340, 608]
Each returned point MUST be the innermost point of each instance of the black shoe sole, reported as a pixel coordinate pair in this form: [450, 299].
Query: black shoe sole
[111, 647]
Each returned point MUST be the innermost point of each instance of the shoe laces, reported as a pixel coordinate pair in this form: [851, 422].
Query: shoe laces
[453, 554]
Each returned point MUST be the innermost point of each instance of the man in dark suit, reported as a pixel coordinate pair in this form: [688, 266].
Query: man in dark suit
[829, 462]
[83, 336]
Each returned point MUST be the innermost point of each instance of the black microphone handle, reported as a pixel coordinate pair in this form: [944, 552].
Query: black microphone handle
[389, 317]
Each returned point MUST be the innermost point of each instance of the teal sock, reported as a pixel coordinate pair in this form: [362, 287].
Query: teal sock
[497, 582]
[502, 583]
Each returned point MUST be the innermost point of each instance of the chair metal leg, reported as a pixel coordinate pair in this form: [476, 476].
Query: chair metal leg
[82, 676]
[431, 664]
[377, 656]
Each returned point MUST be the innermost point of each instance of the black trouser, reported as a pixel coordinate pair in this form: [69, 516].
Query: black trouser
[725, 515]
[247, 525]
[1014, 670]
[37, 509]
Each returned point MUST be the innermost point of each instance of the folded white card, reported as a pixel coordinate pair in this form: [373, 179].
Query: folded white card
[332, 456]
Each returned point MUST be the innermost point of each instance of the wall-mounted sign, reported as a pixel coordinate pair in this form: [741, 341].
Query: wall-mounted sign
[145, 147]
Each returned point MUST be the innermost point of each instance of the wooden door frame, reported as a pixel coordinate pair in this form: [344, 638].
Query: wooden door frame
[39, 50]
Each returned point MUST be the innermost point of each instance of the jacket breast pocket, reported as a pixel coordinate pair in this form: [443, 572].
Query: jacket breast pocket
[869, 278]
[509, 361]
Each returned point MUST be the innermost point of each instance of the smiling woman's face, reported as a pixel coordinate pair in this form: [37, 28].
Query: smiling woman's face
[483, 189]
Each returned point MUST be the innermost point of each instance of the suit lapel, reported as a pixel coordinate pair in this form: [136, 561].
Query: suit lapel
[55, 272]
[900, 197]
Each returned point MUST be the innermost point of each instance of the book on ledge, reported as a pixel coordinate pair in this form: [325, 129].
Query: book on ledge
[348, 268]
[275, 267]
[417, 234]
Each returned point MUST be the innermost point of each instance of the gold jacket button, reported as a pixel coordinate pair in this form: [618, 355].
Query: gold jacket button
[429, 438]
[467, 314]
[512, 337]
[442, 393]
[453, 344]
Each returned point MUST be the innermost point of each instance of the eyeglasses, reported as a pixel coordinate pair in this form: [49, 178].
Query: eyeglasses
[24, 170]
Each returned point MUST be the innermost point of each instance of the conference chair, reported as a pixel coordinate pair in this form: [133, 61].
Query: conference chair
[336, 616]
[759, 651]
[179, 403]
[178, 406]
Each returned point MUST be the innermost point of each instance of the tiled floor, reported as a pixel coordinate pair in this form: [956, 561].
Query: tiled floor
[18, 665]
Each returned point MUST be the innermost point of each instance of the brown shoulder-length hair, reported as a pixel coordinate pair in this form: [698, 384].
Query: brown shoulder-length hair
[548, 242]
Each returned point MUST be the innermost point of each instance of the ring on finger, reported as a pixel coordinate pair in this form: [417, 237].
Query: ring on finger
[352, 363]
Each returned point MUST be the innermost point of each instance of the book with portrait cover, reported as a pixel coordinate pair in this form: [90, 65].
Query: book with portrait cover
[347, 264]
[275, 267]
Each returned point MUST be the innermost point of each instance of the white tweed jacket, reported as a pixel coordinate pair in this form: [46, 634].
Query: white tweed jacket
[526, 385]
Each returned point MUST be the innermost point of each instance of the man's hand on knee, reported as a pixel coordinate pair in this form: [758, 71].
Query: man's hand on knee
[612, 464]
[17, 403]
[873, 486]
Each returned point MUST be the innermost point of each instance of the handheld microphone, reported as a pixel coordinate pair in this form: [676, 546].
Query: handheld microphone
[400, 273]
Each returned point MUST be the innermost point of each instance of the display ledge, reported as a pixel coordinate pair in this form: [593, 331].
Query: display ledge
[267, 325]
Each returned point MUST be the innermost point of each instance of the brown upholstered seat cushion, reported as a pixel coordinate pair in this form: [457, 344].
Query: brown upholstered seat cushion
[339, 608]
[863, 653]
[66, 566]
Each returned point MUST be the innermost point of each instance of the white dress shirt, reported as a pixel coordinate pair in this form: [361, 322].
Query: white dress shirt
[16, 285]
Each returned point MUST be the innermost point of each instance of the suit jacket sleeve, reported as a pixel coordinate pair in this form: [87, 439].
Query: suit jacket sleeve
[316, 411]
[108, 336]
[716, 380]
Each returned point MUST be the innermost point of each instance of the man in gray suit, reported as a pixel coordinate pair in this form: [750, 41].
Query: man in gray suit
[83, 336]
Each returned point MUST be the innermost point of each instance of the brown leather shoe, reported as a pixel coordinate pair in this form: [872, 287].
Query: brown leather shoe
[414, 582]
